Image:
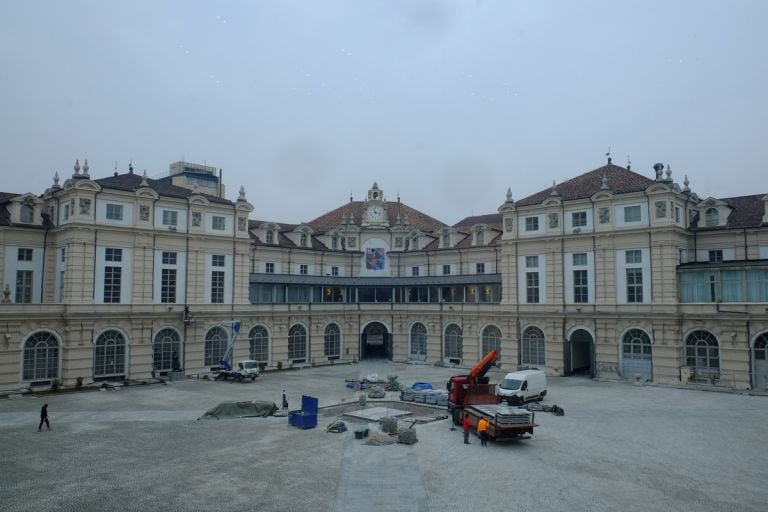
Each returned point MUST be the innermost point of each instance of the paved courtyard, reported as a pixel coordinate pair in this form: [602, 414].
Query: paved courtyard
[618, 447]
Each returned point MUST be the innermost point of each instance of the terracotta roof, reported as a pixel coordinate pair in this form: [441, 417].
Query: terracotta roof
[620, 181]
[416, 219]
[491, 219]
[130, 182]
[747, 212]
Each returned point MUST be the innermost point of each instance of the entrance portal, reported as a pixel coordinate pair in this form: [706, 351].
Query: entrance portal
[375, 342]
[580, 354]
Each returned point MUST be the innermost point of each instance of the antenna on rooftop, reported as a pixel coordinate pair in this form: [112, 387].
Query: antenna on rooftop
[608, 154]
[629, 163]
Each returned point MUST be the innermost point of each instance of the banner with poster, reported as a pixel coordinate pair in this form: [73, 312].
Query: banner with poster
[375, 259]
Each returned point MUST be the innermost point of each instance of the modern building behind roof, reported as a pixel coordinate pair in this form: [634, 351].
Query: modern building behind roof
[611, 273]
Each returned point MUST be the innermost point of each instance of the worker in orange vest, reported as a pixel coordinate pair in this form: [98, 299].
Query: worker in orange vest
[467, 424]
[482, 429]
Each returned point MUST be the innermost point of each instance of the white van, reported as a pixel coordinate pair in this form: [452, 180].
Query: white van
[523, 386]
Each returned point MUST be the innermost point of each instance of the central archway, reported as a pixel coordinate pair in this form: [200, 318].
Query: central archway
[375, 342]
[580, 354]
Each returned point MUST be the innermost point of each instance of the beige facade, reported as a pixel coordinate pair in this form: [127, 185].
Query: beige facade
[610, 274]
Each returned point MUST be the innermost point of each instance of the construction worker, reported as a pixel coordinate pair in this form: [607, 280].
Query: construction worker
[467, 424]
[482, 429]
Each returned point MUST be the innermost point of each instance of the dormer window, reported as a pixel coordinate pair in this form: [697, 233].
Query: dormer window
[270, 237]
[415, 244]
[446, 241]
[27, 214]
[334, 242]
[712, 217]
[480, 237]
[303, 240]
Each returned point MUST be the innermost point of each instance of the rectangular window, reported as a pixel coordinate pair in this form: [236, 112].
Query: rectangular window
[303, 269]
[532, 287]
[218, 223]
[169, 258]
[170, 218]
[168, 286]
[352, 242]
[217, 287]
[113, 254]
[335, 242]
[634, 285]
[23, 287]
[446, 270]
[580, 286]
[66, 212]
[217, 260]
[678, 213]
[716, 256]
[334, 271]
[114, 211]
[60, 290]
[63, 254]
[269, 268]
[25, 254]
[633, 256]
[446, 241]
[398, 241]
[531, 223]
[112, 283]
[578, 219]
[414, 271]
[532, 262]
[579, 259]
[480, 268]
[632, 213]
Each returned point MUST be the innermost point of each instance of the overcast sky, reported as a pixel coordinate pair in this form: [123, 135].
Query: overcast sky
[447, 103]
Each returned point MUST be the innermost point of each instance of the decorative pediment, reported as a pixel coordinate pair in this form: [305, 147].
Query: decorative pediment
[602, 195]
[552, 201]
[199, 200]
[29, 199]
[659, 187]
[244, 206]
[86, 185]
[711, 201]
[147, 193]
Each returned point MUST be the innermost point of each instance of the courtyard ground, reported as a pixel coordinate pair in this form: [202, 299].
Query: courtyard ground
[619, 446]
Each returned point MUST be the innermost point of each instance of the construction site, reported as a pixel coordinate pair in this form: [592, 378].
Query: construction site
[380, 436]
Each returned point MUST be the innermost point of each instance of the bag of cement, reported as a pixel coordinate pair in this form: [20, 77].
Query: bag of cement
[407, 436]
[389, 425]
[377, 392]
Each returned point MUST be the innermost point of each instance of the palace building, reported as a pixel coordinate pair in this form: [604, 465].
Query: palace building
[612, 274]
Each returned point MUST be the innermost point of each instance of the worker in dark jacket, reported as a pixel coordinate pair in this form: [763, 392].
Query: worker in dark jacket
[467, 424]
[44, 418]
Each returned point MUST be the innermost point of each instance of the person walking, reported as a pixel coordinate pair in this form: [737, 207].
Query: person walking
[482, 429]
[467, 424]
[285, 402]
[44, 419]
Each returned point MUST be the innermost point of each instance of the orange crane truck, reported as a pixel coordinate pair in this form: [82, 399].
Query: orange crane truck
[473, 396]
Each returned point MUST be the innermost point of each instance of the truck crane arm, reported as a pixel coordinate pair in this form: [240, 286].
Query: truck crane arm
[481, 368]
[226, 360]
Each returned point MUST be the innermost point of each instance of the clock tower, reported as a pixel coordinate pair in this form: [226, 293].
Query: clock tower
[375, 214]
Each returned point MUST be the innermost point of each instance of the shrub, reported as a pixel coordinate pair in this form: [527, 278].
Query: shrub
[55, 384]
[279, 365]
[79, 382]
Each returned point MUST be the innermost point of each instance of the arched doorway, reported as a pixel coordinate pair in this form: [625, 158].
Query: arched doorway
[375, 342]
[579, 354]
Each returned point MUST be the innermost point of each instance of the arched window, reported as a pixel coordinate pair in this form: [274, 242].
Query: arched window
[303, 239]
[702, 354]
[166, 350]
[712, 217]
[480, 237]
[109, 354]
[454, 341]
[415, 244]
[446, 240]
[332, 341]
[636, 345]
[258, 341]
[761, 344]
[27, 214]
[270, 237]
[533, 346]
[41, 357]
[491, 339]
[297, 342]
[418, 340]
[216, 340]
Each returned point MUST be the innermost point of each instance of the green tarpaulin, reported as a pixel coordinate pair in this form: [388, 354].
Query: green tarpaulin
[240, 410]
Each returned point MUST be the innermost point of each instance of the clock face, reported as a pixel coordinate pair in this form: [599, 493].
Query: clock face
[376, 213]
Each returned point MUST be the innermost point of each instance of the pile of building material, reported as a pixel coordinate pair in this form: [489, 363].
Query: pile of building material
[425, 396]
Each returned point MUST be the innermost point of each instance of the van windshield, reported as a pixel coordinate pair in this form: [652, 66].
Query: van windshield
[249, 364]
[510, 384]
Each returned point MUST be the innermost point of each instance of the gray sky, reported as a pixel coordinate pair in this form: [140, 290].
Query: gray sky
[446, 102]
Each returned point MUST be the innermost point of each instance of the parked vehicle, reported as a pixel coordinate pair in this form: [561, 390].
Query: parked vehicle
[522, 386]
[476, 383]
[245, 369]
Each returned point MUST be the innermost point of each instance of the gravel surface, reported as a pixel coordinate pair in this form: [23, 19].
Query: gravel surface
[619, 447]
